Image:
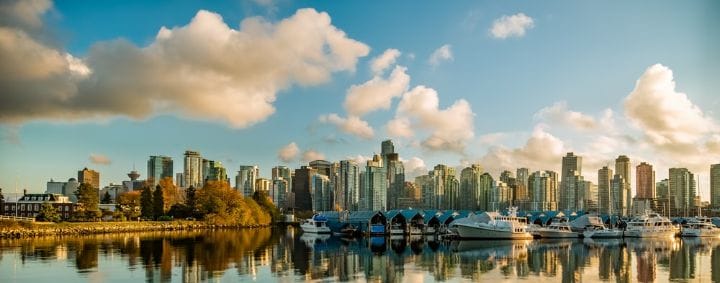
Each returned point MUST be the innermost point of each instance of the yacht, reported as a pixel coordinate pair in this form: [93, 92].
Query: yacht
[600, 231]
[700, 227]
[493, 225]
[650, 225]
[315, 224]
[557, 230]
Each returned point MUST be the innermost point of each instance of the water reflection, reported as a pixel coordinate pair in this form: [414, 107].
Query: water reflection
[274, 255]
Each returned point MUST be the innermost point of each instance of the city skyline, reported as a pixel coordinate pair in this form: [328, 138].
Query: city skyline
[505, 87]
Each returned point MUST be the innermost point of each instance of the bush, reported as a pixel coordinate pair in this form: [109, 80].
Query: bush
[165, 218]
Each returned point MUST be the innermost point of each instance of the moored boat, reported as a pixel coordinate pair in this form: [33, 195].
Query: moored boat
[700, 229]
[650, 225]
[315, 224]
[557, 230]
[602, 232]
[493, 225]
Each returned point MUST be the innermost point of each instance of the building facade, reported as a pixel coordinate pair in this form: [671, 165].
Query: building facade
[571, 172]
[470, 187]
[89, 176]
[605, 177]
[245, 180]
[543, 190]
[192, 170]
[715, 186]
[29, 205]
[158, 168]
[622, 167]
[682, 190]
[374, 185]
[347, 190]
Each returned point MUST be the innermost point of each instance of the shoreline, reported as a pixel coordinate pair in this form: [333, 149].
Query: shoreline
[43, 229]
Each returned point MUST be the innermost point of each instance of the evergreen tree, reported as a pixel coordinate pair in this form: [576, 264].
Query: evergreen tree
[191, 200]
[107, 198]
[146, 203]
[48, 213]
[158, 202]
[89, 199]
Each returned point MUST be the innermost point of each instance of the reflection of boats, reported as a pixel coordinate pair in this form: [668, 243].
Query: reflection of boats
[493, 225]
[492, 249]
[602, 232]
[700, 229]
[348, 230]
[650, 225]
[311, 239]
[557, 230]
[315, 224]
[603, 242]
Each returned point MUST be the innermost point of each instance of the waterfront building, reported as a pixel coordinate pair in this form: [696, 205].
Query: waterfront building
[508, 178]
[374, 185]
[214, 171]
[543, 190]
[605, 199]
[279, 192]
[89, 176]
[424, 183]
[645, 197]
[63, 188]
[618, 189]
[321, 192]
[485, 188]
[470, 187]
[662, 190]
[395, 179]
[715, 186]
[192, 172]
[158, 168]
[263, 185]
[445, 187]
[246, 178]
[589, 196]
[347, 187]
[322, 167]
[499, 197]
[114, 190]
[569, 179]
[682, 190]
[622, 167]
[521, 197]
[301, 188]
[29, 205]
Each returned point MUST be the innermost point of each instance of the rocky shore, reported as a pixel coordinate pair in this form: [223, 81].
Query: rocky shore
[88, 228]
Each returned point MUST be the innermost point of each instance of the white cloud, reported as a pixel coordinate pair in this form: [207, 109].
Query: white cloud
[541, 151]
[26, 14]
[414, 167]
[361, 160]
[289, 152]
[203, 70]
[400, 127]
[382, 62]
[351, 125]
[558, 113]
[444, 53]
[376, 93]
[449, 128]
[509, 26]
[99, 159]
[311, 155]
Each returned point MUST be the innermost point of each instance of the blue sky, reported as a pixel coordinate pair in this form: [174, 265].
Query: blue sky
[569, 81]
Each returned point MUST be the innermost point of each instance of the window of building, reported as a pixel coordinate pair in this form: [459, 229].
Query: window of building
[22, 207]
[37, 207]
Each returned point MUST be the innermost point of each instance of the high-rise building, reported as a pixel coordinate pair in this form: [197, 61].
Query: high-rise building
[192, 172]
[499, 197]
[322, 167]
[301, 188]
[485, 188]
[543, 190]
[321, 192]
[133, 183]
[279, 192]
[571, 170]
[424, 184]
[395, 178]
[682, 190]
[618, 194]
[180, 180]
[89, 176]
[645, 181]
[158, 168]
[521, 196]
[509, 180]
[605, 176]
[281, 172]
[662, 190]
[622, 167]
[715, 186]
[347, 190]
[374, 185]
[589, 196]
[263, 185]
[470, 187]
[445, 187]
[245, 179]
[214, 171]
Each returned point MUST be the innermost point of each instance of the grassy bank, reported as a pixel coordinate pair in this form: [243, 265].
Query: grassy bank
[13, 229]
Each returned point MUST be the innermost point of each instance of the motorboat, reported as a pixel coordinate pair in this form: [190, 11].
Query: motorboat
[650, 225]
[315, 224]
[493, 225]
[600, 231]
[557, 230]
[700, 229]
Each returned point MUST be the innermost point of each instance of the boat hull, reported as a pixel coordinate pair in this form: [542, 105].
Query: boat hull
[479, 232]
[714, 233]
[649, 234]
[556, 234]
[307, 228]
[612, 234]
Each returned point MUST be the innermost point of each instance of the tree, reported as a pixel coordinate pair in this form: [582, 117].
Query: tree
[129, 204]
[2, 202]
[88, 200]
[264, 201]
[220, 204]
[158, 202]
[171, 194]
[48, 212]
[146, 203]
[107, 198]
[191, 201]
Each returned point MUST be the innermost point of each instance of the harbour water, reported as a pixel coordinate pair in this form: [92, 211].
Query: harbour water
[269, 255]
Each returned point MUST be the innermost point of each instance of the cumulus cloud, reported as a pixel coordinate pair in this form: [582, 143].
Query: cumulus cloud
[449, 128]
[24, 14]
[558, 113]
[667, 117]
[203, 70]
[385, 60]
[311, 154]
[99, 159]
[444, 53]
[351, 125]
[376, 93]
[414, 167]
[289, 152]
[361, 160]
[400, 127]
[511, 26]
[541, 151]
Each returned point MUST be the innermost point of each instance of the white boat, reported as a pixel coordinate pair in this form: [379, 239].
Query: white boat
[700, 227]
[557, 230]
[598, 231]
[414, 230]
[493, 225]
[650, 225]
[315, 224]
[396, 229]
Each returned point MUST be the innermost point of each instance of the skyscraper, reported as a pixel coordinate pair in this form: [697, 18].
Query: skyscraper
[682, 190]
[320, 192]
[158, 168]
[543, 190]
[322, 167]
[605, 176]
[521, 196]
[662, 189]
[570, 174]
[246, 178]
[395, 178]
[374, 185]
[89, 176]
[470, 187]
[622, 167]
[715, 186]
[347, 191]
[484, 190]
[214, 171]
[618, 189]
[301, 188]
[445, 187]
[645, 181]
[192, 169]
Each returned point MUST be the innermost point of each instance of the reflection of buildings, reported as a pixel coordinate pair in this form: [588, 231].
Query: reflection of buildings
[682, 262]
[645, 266]
[715, 262]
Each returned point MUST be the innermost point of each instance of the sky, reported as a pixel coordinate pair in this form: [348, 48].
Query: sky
[105, 84]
